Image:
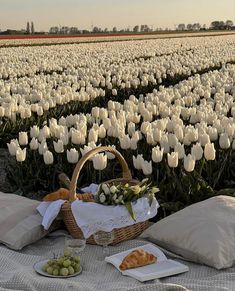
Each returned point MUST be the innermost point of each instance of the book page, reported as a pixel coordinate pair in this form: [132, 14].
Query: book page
[157, 270]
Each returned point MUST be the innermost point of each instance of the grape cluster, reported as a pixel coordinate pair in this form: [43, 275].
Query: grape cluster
[63, 266]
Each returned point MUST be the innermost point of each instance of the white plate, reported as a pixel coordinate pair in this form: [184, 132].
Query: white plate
[39, 265]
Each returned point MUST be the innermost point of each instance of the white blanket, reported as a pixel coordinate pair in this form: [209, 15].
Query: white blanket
[16, 272]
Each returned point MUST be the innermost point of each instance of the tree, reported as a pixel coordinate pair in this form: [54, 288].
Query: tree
[96, 29]
[115, 29]
[136, 28]
[181, 26]
[217, 25]
[32, 27]
[144, 28]
[189, 26]
[28, 28]
[196, 26]
[229, 23]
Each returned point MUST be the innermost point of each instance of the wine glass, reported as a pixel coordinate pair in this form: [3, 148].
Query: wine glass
[75, 246]
[103, 239]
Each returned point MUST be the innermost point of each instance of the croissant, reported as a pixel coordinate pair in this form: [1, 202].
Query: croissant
[63, 194]
[137, 258]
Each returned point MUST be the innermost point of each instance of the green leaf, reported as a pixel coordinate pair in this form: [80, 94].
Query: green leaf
[130, 210]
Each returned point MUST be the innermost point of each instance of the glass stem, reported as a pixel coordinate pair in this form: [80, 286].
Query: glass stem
[105, 250]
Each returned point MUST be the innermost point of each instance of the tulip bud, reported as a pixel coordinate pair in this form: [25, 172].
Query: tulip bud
[147, 168]
[58, 146]
[179, 148]
[197, 151]
[34, 131]
[99, 162]
[172, 159]
[209, 152]
[204, 139]
[72, 156]
[42, 147]
[13, 146]
[224, 141]
[189, 163]
[20, 154]
[48, 157]
[34, 144]
[23, 138]
[138, 161]
[125, 142]
[2, 111]
[157, 154]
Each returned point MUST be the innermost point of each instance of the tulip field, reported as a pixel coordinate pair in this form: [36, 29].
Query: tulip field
[168, 105]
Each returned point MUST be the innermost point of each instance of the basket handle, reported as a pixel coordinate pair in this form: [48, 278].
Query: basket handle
[126, 174]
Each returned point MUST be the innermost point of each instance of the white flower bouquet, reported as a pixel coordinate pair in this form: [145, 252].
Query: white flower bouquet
[125, 194]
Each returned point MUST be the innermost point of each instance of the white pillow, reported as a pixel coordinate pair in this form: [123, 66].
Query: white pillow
[20, 222]
[203, 232]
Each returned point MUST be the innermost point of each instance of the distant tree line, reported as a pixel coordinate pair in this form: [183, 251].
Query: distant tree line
[215, 25]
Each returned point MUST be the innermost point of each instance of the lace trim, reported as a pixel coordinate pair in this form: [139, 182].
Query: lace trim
[125, 220]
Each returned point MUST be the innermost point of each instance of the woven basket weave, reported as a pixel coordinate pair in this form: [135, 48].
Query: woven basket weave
[120, 234]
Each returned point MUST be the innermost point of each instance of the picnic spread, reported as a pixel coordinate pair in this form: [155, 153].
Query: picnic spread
[114, 215]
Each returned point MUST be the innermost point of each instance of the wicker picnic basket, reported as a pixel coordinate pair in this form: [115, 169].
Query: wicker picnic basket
[120, 234]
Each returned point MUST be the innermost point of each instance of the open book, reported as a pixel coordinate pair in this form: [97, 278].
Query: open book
[163, 267]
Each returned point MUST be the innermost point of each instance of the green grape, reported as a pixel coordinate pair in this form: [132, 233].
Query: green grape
[64, 272]
[44, 268]
[76, 259]
[71, 270]
[50, 270]
[50, 262]
[77, 268]
[60, 261]
[66, 263]
[56, 272]
[67, 253]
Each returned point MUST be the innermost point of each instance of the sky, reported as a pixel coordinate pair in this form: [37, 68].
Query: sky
[14, 14]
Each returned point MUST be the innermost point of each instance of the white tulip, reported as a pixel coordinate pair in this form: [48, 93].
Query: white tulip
[105, 188]
[189, 163]
[197, 151]
[224, 141]
[34, 131]
[125, 142]
[34, 144]
[23, 138]
[13, 146]
[213, 133]
[147, 168]
[99, 161]
[48, 157]
[93, 135]
[20, 155]
[209, 151]
[2, 111]
[179, 148]
[102, 198]
[102, 131]
[204, 139]
[58, 146]
[42, 147]
[72, 156]
[172, 159]
[138, 161]
[157, 154]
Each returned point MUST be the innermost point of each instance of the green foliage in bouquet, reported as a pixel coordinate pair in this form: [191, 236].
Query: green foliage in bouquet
[125, 194]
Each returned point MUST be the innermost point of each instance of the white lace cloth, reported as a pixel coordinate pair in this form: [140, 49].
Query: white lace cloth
[92, 217]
